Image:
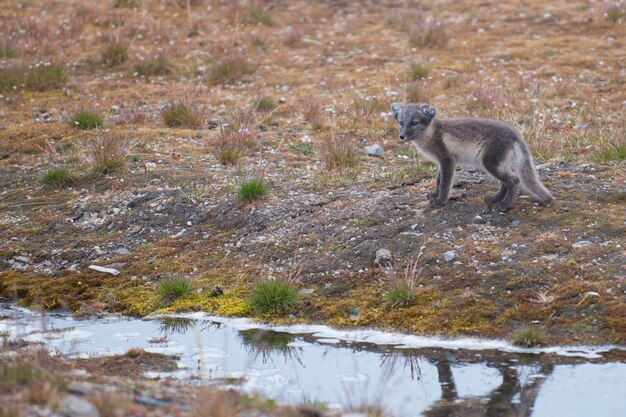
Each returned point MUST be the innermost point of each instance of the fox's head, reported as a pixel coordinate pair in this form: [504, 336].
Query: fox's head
[413, 119]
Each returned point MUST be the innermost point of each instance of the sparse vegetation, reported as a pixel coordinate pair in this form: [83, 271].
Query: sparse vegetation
[429, 34]
[614, 152]
[259, 16]
[106, 154]
[306, 148]
[115, 52]
[528, 338]
[616, 11]
[85, 120]
[231, 70]
[339, 153]
[418, 72]
[7, 52]
[417, 92]
[173, 288]
[313, 113]
[264, 104]
[273, 296]
[251, 190]
[57, 176]
[402, 289]
[39, 77]
[185, 112]
[158, 65]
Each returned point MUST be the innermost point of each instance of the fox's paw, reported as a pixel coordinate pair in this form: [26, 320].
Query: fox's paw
[499, 207]
[491, 199]
[436, 202]
[432, 195]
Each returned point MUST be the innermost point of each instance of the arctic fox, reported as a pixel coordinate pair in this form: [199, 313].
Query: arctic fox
[490, 145]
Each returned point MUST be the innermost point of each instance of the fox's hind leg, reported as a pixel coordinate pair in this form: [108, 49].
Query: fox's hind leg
[491, 199]
[498, 162]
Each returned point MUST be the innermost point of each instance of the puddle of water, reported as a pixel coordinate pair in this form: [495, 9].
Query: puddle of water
[406, 375]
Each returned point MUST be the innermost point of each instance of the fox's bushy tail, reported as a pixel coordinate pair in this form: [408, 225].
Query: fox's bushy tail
[529, 178]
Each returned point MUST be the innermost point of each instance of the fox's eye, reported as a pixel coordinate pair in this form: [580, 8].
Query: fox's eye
[415, 122]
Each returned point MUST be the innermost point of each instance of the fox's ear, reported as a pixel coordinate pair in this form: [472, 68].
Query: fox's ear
[429, 111]
[395, 108]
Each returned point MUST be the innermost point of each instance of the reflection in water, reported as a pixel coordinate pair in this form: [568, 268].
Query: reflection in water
[265, 343]
[409, 360]
[175, 325]
[342, 368]
[514, 397]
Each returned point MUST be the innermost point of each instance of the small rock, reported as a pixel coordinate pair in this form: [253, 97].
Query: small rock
[292, 317]
[383, 256]
[24, 259]
[285, 88]
[262, 128]
[592, 294]
[217, 291]
[121, 251]
[478, 220]
[581, 244]
[212, 124]
[515, 223]
[111, 271]
[449, 255]
[374, 150]
[74, 406]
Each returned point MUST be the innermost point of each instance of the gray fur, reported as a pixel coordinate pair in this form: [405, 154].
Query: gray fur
[490, 145]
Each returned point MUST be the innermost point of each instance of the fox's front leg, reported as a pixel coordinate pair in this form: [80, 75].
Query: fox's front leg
[435, 193]
[445, 176]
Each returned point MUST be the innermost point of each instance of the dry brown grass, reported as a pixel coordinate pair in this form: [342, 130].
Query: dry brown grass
[110, 404]
[417, 92]
[114, 52]
[428, 34]
[313, 112]
[213, 402]
[106, 153]
[339, 153]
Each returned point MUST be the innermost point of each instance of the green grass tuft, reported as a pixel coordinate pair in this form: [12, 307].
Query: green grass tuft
[306, 148]
[259, 16]
[616, 152]
[230, 71]
[15, 372]
[418, 72]
[40, 77]
[7, 52]
[264, 104]
[185, 113]
[252, 190]
[86, 120]
[57, 176]
[273, 296]
[400, 295]
[528, 338]
[173, 288]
